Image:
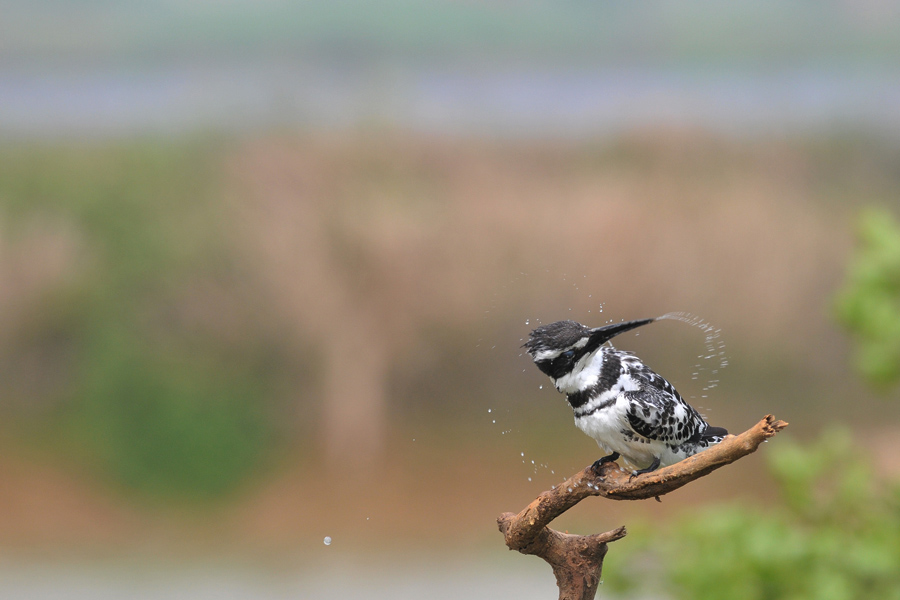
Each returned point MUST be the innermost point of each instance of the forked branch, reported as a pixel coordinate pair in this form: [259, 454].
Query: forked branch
[577, 560]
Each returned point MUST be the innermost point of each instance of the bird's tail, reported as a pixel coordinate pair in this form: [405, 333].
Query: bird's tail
[713, 434]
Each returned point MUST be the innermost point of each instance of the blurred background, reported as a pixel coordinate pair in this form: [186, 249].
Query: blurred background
[266, 268]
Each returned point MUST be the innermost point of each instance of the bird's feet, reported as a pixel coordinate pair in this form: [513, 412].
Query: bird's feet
[653, 466]
[598, 464]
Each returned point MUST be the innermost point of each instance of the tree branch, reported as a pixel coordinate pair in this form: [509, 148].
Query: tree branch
[577, 560]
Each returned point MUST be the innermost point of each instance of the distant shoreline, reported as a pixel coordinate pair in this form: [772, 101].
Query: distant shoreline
[500, 101]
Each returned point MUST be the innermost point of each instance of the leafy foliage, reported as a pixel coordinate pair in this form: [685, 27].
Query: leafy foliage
[869, 304]
[835, 535]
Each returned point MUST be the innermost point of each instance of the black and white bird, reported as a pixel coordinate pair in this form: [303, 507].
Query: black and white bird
[628, 409]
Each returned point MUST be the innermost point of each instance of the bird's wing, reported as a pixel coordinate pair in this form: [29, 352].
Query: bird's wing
[657, 411]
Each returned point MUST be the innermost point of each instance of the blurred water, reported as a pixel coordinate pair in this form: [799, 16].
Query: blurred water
[505, 100]
[412, 580]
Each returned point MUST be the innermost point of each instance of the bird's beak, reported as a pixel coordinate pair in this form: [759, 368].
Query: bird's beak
[601, 335]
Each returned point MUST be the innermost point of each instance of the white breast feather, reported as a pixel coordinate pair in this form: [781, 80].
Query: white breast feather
[585, 374]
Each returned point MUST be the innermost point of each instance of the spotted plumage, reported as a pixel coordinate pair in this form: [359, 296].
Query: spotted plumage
[628, 409]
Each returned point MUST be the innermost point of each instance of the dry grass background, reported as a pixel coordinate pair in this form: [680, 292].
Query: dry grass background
[393, 266]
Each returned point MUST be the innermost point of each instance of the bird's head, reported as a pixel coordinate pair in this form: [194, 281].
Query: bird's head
[557, 347]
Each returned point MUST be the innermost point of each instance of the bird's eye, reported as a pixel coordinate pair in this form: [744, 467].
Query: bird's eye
[568, 354]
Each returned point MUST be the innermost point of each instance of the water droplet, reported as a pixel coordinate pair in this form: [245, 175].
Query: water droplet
[327, 540]
[540, 387]
[521, 454]
[493, 420]
[529, 479]
[569, 489]
[489, 410]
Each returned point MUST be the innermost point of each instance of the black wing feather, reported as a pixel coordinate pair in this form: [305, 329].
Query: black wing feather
[651, 411]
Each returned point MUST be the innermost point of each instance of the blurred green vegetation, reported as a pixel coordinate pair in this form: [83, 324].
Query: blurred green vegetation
[834, 535]
[168, 405]
[869, 304]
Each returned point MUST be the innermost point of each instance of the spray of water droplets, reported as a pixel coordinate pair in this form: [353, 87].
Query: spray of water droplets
[714, 344]
[534, 466]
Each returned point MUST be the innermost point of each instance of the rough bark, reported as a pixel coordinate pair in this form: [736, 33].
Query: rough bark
[577, 560]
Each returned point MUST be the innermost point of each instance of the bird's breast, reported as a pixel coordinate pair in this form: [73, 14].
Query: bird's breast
[604, 417]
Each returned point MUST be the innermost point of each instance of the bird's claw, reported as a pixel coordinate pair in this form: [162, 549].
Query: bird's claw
[598, 464]
[653, 466]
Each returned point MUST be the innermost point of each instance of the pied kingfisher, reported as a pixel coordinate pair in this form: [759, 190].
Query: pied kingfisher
[628, 409]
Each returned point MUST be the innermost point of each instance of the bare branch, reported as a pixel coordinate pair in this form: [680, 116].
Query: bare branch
[577, 560]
